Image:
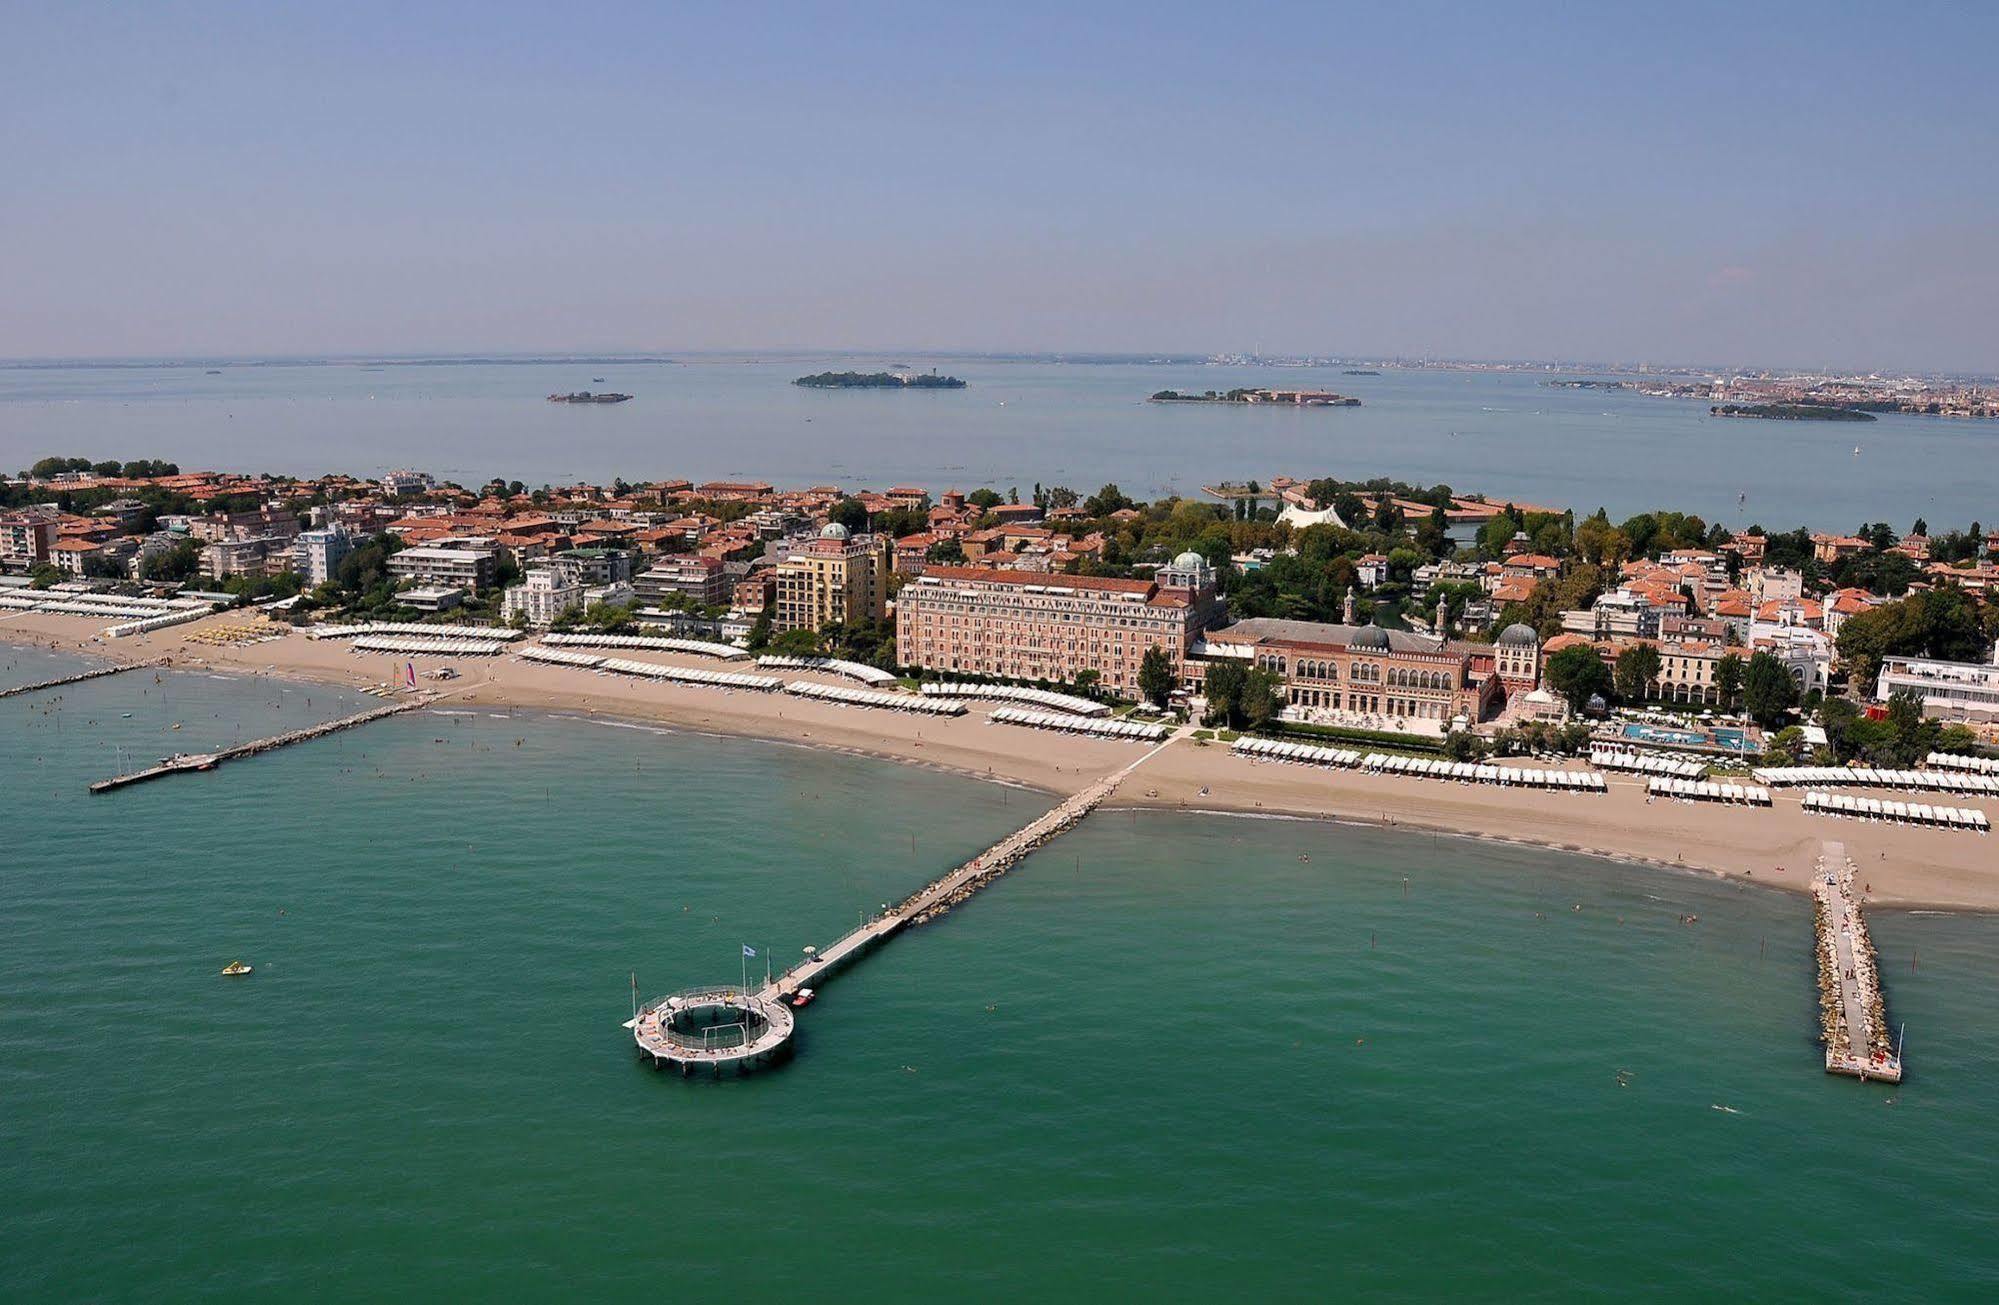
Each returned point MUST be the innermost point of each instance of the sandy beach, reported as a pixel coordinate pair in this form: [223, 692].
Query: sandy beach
[1899, 866]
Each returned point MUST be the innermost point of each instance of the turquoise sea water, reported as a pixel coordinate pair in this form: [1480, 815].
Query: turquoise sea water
[1167, 1056]
[1018, 423]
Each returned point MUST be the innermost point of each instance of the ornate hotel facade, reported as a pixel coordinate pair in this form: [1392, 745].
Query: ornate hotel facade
[1030, 626]
[1364, 670]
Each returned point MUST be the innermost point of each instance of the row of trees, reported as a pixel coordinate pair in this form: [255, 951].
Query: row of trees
[137, 468]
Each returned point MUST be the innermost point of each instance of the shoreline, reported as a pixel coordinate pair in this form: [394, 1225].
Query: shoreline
[1901, 868]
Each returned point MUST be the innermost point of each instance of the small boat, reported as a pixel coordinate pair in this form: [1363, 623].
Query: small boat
[596, 380]
[236, 968]
[803, 997]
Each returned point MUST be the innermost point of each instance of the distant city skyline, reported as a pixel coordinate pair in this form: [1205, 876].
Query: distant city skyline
[1433, 182]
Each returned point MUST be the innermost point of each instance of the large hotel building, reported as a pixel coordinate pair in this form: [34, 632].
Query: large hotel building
[837, 577]
[1364, 670]
[1033, 626]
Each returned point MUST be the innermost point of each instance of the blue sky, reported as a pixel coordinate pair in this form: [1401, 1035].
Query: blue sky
[1792, 184]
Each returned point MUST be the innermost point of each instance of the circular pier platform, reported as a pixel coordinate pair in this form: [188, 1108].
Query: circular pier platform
[721, 1030]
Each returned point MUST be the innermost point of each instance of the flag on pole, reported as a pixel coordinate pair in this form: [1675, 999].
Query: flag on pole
[749, 951]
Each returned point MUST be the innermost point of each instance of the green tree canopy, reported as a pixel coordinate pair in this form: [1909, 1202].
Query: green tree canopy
[1768, 691]
[1577, 673]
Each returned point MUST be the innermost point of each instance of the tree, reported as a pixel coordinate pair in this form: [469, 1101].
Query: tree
[1262, 696]
[1637, 670]
[797, 643]
[1728, 678]
[984, 499]
[1463, 745]
[1768, 691]
[945, 552]
[851, 513]
[1943, 623]
[1155, 676]
[1785, 747]
[1061, 496]
[1223, 688]
[1105, 501]
[1578, 674]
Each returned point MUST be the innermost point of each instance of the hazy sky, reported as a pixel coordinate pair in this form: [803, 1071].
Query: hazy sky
[1806, 184]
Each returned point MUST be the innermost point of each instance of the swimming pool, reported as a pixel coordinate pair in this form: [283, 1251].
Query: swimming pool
[1726, 737]
[1659, 734]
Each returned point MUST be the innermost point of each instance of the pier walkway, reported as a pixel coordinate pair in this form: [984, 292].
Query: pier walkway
[1850, 998]
[78, 678]
[939, 896]
[766, 1032]
[210, 760]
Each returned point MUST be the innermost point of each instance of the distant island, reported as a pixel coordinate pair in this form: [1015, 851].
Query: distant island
[585, 396]
[1293, 398]
[1789, 412]
[879, 381]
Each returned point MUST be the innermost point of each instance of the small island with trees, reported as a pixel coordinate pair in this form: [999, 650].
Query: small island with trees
[1789, 412]
[879, 381]
[1292, 398]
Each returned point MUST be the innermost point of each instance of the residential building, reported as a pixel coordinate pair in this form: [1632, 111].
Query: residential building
[837, 577]
[254, 556]
[317, 554]
[432, 598]
[1956, 691]
[1025, 626]
[540, 597]
[703, 580]
[26, 536]
[400, 483]
[1619, 614]
[594, 566]
[468, 567]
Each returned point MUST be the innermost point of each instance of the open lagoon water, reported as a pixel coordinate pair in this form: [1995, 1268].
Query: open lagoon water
[1017, 423]
[1171, 1055]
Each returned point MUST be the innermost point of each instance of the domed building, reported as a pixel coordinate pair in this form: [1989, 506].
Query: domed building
[1189, 571]
[1364, 675]
[1516, 657]
[836, 577]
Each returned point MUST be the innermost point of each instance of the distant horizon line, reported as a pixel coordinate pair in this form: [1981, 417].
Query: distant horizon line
[658, 357]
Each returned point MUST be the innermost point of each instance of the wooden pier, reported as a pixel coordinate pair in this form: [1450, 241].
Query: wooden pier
[210, 760]
[651, 1025]
[1852, 1014]
[79, 678]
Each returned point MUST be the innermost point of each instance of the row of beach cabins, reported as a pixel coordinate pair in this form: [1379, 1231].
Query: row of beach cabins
[1064, 723]
[1943, 781]
[1461, 772]
[134, 615]
[1647, 763]
[1701, 790]
[1901, 813]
